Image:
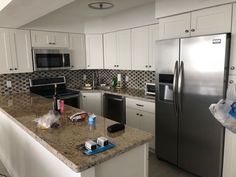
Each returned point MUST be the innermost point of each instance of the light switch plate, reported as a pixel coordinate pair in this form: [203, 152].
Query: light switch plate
[9, 84]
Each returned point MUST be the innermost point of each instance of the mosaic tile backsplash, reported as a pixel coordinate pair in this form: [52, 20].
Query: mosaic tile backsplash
[20, 82]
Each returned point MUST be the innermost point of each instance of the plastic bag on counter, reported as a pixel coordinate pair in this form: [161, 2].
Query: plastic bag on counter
[225, 110]
[48, 120]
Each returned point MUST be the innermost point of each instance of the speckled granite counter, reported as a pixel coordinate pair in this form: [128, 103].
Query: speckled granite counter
[128, 92]
[24, 108]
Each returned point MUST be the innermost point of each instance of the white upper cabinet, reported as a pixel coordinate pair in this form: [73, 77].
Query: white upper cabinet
[22, 56]
[166, 8]
[110, 51]
[94, 51]
[15, 51]
[232, 67]
[211, 20]
[77, 49]
[49, 39]
[175, 26]
[143, 47]
[201, 22]
[117, 50]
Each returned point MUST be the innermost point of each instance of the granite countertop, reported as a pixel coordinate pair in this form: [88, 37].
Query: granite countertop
[25, 107]
[128, 92]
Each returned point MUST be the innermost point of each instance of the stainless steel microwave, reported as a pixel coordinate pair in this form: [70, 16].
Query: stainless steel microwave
[51, 59]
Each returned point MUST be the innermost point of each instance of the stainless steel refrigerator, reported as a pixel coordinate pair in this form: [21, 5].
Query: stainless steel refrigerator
[191, 74]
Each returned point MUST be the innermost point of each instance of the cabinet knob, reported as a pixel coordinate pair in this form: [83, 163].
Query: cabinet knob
[150, 66]
[141, 115]
[137, 114]
[11, 69]
[15, 68]
[54, 43]
[186, 31]
[72, 66]
[192, 30]
[114, 65]
[88, 65]
[231, 81]
[50, 43]
[232, 67]
[117, 65]
[146, 66]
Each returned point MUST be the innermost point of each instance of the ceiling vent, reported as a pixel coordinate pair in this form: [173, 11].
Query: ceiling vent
[100, 4]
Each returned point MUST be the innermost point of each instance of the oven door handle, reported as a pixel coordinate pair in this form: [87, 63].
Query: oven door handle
[68, 97]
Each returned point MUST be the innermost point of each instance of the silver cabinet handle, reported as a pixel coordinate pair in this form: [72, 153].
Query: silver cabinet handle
[232, 67]
[186, 31]
[192, 30]
[175, 83]
[139, 105]
[231, 81]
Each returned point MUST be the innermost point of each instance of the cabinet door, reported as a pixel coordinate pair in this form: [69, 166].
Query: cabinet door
[211, 20]
[124, 49]
[153, 37]
[132, 117]
[91, 102]
[94, 51]
[110, 51]
[232, 67]
[5, 52]
[229, 169]
[60, 40]
[174, 27]
[41, 39]
[140, 48]
[21, 51]
[77, 47]
[147, 122]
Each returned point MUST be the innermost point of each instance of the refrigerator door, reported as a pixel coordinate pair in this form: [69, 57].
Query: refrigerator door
[166, 114]
[202, 82]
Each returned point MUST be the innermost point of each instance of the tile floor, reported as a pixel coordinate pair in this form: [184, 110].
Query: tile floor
[157, 168]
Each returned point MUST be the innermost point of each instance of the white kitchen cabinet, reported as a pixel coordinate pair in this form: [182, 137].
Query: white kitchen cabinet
[91, 102]
[77, 49]
[141, 115]
[117, 50]
[15, 51]
[175, 26]
[229, 169]
[143, 47]
[94, 51]
[49, 39]
[202, 22]
[232, 66]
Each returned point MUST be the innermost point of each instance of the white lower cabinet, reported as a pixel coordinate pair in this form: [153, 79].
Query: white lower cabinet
[91, 102]
[229, 169]
[141, 115]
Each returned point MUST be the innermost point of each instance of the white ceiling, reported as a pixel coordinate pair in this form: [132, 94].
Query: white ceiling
[20, 12]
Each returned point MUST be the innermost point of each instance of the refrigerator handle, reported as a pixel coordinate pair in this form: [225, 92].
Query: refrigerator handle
[180, 85]
[175, 83]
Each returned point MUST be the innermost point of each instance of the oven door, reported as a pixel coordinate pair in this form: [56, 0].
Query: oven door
[51, 59]
[73, 101]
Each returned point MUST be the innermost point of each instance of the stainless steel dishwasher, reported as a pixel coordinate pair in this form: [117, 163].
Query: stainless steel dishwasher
[114, 107]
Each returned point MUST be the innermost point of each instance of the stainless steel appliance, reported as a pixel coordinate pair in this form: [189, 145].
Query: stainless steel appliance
[114, 107]
[51, 59]
[191, 75]
[150, 89]
[45, 87]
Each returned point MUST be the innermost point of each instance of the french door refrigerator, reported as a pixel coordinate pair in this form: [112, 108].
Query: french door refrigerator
[191, 74]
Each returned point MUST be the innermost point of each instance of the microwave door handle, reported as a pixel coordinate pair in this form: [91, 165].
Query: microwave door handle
[63, 59]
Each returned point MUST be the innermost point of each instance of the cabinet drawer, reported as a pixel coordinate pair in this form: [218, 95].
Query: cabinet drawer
[140, 105]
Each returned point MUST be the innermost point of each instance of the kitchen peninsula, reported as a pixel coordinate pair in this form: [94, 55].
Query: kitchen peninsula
[27, 151]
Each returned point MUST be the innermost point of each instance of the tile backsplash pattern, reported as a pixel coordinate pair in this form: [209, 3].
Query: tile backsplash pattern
[20, 81]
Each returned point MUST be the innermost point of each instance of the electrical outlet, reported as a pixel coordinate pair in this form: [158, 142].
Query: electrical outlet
[84, 77]
[126, 78]
[9, 84]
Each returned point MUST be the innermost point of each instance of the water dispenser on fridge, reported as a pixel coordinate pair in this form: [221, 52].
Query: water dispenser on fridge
[166, 87]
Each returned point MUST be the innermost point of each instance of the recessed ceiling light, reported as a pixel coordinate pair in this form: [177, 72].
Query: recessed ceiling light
[100, 4]
[4, 3]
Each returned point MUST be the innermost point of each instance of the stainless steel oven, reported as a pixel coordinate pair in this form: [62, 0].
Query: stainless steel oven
[51, 59]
